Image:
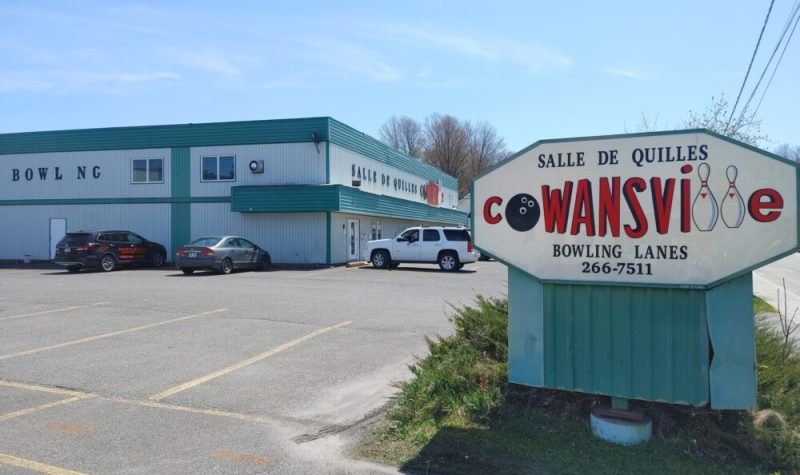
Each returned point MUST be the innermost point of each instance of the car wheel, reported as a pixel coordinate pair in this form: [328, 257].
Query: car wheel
[157, 259]
[460, 265]
[227, 266]
[265, 262]
[448, 261]
[188, 271]
[108, 263]
[73, 269]
[380, 259]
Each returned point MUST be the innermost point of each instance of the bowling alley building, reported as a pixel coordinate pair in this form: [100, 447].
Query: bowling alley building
[309, 191]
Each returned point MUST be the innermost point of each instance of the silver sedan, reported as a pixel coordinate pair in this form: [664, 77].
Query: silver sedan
[221, 253]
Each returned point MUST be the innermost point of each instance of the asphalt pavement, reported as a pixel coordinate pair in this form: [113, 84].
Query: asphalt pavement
[151, 371]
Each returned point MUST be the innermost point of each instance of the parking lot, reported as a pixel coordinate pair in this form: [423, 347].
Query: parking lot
[151, 371]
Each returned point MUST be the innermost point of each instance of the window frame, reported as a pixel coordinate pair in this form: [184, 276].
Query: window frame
[377, 230]
[217, 158]
[147, 180]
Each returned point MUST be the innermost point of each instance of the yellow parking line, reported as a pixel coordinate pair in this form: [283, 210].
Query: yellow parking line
[193, 410]
[108, 335]
[36, 466]
[30, 410]
[43, 389]
[65, 309]
[245, 363]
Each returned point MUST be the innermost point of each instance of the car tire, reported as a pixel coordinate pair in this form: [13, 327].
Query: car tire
[380, 259]
[460, 265]
[188, 271]
[394, 264]
[448, 261]
[73, 269]
[108, 263]
[265, 263]
[157, 259]
[227, 266]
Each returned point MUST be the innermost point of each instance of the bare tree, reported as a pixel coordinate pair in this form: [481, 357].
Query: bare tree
[485, 148]
[448, 144]
[788, 151]
[405, 135]
[747, 128]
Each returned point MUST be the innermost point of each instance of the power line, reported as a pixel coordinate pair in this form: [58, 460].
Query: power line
[780, 58]
[771, 3]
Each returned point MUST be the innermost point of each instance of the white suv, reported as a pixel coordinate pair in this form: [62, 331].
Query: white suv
[451, 248]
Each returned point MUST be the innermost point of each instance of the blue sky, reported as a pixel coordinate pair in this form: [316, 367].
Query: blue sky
[534, 69]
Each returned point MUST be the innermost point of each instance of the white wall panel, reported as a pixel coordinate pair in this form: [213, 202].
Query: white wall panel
[26, 229]
[284, 164]
[290, 238]
[343, 160]
[114, 179]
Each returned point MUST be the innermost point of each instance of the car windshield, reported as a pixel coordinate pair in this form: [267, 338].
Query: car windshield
[205, 242]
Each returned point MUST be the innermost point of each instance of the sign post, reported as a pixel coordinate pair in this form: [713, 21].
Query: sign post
[630, 261]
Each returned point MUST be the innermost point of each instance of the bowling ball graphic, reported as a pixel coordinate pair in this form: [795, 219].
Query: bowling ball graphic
[522, 212]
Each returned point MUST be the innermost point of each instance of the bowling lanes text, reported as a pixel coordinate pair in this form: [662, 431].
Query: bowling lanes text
[639, 156]
[609, 251]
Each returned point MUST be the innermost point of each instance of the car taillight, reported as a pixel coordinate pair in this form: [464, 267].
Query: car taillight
[469, 246]
[179, 252]
[85, 247]
[207, 252]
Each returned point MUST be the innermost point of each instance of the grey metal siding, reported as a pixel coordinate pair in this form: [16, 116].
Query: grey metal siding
[30, 232]
[290, 238]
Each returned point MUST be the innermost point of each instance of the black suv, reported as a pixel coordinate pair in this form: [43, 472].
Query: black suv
[107, 250]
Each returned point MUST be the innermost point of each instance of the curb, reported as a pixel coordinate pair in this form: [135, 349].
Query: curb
[356, 264]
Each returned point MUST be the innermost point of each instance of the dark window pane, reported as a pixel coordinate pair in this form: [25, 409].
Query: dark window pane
[134, 238]
[456, 234]
[209, 168]
[227, 168]
[156, 169]
[430, 235]
[139, 171]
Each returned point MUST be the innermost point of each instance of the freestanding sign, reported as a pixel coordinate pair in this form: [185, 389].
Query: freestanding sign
[630, 260]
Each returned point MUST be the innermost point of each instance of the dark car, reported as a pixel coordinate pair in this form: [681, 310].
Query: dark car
[221, 253]
[107, 250]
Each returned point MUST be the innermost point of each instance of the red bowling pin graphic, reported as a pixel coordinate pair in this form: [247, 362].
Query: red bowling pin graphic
[732, 207]
[704, 208]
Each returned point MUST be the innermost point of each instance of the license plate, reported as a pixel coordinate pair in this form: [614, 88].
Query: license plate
[192, 254]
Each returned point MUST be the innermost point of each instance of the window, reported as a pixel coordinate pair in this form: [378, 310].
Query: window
[147, 170]
[411, 235]
[456, 234]
[221, 168]
[377, 230]
[430, 235]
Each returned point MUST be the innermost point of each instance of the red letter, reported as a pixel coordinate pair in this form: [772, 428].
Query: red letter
[584, 210]
[755, 205]
[632, 185]
[487, 210]
[662, 202]
[609, 206]
[555, 207]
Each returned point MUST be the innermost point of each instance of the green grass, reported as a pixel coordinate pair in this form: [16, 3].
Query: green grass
[459, 414]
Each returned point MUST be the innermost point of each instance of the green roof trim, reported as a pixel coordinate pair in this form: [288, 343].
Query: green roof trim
[165, 136]
[336, 198]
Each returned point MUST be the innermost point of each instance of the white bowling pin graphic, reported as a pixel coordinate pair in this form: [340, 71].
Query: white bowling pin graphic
[704, 208]
[732, 207]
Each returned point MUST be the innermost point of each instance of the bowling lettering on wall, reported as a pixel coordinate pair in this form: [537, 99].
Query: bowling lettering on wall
[686, 208]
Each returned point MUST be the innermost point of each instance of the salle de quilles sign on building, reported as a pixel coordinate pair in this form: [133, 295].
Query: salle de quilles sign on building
[677, 209]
